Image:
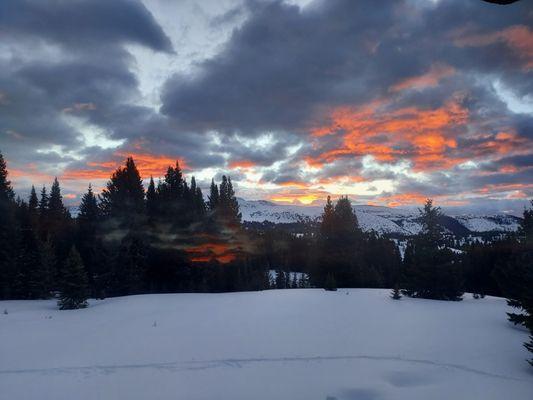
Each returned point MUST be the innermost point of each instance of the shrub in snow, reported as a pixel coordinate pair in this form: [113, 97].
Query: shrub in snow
[330, 283]
[396, 293]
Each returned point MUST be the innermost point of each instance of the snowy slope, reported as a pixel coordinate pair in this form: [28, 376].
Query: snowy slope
[487, 223]
[291, 344]
[380, 219]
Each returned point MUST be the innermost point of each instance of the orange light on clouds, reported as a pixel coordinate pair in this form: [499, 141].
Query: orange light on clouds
[147, 163]
[517, 37]
[244, 164]
[422, 135]
[432, 78]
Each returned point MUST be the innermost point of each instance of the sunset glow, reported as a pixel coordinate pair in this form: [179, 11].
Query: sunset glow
[431, 100]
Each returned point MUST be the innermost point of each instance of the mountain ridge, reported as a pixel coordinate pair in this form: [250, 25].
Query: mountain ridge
[381, 219]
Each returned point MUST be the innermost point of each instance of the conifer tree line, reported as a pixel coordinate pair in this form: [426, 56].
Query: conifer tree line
[167, 238]
[126, 240]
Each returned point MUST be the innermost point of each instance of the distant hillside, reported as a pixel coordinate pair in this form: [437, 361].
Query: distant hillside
[383, 220]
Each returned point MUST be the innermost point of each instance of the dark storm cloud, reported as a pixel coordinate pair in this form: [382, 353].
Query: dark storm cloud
[285, 64]
[282, 72]
[63, 59]
[79, 23]
[277, 68]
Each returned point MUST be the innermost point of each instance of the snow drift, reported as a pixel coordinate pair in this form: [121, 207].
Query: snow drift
[279, 344]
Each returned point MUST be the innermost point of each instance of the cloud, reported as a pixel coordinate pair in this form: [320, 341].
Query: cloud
[78, 24]
[518, 37]
[390, 103]
[432, 78]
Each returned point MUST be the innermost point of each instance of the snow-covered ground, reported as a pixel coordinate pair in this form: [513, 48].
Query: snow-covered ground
[280, 344]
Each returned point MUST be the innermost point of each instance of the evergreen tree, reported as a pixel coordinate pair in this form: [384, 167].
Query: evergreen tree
[197, 199]
[89, 244]
[228, 204]
[396, 295]
[123, 197]
[57, 227]
[515, 277]
[346, 224]
[213, 196]
[8, 233]
[327, 225]
[6, 191]
[330, 283]
[43, 215]
[74, 288]
[31, 279]
[43, 203]
[174, 197]
[339, 246]
[130, 266]
[89, 212]
[56, 209]
[151, 199]
[33, 205]
[430, 270]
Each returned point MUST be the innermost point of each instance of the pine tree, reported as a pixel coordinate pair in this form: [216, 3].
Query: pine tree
[396, 295]
[151, 199]
[33, 204]
[327, 224]
[123, 197]
[43, 203]
[88, 242]
[56, 209]
[89, 212]
[346, 224]
[228, 204]
[130, 266]
[330, 283]
[213, 196]
[6, 191]
[74, 289]
[430, 270]
[197, 199]
[8, 233]
[515, 277]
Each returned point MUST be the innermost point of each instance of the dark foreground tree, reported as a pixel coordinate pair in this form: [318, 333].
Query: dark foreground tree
[8, 233]
[395, 294]
[516, 277]
[330, 284]
[74, 289]
[431, 271]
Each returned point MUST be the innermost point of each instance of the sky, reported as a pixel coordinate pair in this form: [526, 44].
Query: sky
[387, 102]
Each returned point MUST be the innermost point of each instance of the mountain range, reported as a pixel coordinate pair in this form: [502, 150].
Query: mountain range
[383, 220]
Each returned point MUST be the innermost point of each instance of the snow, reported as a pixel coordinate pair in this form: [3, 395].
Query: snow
[272, 273]
[278, 344]
[498, 223]
[383, 220]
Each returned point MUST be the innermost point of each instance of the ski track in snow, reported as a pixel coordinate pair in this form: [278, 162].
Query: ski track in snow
[239, 362]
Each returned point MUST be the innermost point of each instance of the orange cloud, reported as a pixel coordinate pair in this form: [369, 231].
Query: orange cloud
[147, 163]
[30, 173]
[517, 37]
[436, 73]
[244, 164]
[422, 135]
[415, 198]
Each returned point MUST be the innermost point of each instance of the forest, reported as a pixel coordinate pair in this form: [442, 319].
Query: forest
[170, 238]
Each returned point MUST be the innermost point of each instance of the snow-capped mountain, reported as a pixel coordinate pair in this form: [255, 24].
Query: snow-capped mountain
[380, 219]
